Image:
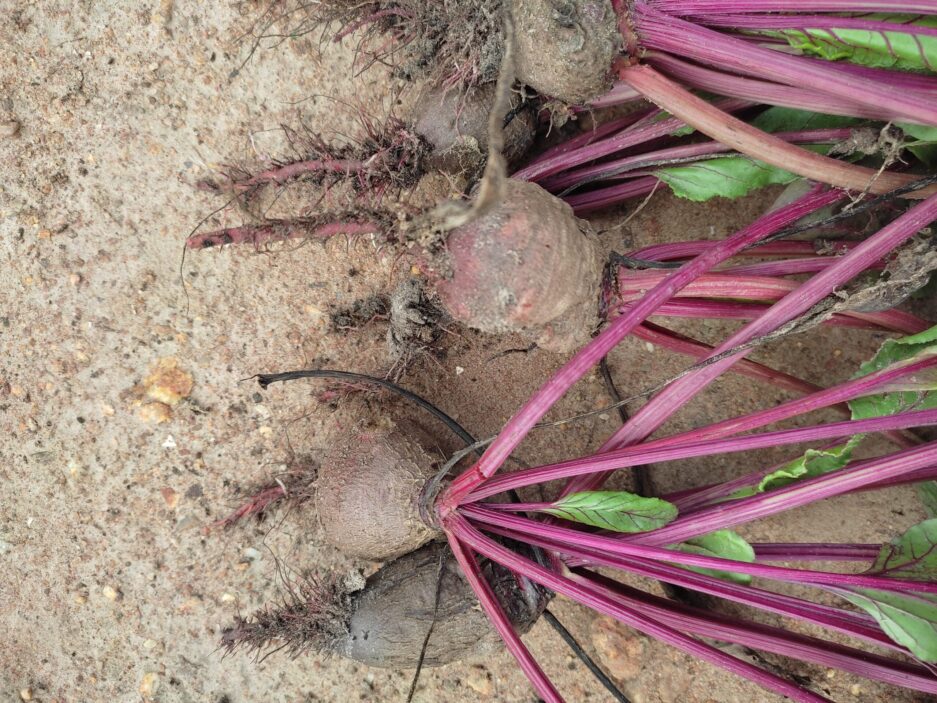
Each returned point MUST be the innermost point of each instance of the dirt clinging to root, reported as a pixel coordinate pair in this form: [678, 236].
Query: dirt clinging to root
[454, 43]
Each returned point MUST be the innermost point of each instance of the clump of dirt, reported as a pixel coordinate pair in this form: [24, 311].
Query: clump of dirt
[414, 324]
[360, 313]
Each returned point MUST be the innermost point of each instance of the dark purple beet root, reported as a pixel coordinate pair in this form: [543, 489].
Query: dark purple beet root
[565, 48]
[385, 623]
[528, 266]
[456, 126]
[368, 494]
[394, 610]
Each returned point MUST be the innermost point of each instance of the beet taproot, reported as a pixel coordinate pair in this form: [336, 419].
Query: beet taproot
[565, 48]
[368, 493]
[385, 622]
[528, 265]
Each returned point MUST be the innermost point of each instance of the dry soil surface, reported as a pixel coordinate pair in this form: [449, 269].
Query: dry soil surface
[128, 427]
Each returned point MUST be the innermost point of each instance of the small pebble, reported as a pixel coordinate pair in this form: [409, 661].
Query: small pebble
[26, 694]
[74, 468]
[167, 383]
[111, 593]
[155, 413]
[228, 598]
[479, 680]
[170, 497]
[149, 644]
[149, 685]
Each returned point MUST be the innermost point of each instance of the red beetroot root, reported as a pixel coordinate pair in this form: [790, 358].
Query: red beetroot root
[368, 493]
[528, 266]
[386, 622]
[456, 127]
[565, 48]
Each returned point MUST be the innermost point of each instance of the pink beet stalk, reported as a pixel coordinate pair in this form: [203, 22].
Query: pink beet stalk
[677, 394]
[816, 552]
[632, 548]
[769, 92]
[766, 638]
[847, 622]
[502, 624]
[594, 599]
[714, 7]
[598, 465]
[671, 34]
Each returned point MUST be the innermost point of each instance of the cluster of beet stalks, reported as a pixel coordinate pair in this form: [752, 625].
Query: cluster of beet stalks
[471, 525]
[739, 50]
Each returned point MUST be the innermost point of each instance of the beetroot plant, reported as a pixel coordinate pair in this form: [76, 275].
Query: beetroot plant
[687, 539]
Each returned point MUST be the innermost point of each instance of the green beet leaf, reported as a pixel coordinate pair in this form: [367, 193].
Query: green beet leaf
[721, 543]
[619, 511]
[902, 48]
[735, 176]
[910, 619]
[728, 177]
[922, 142]
[912, 555]
[914, 393]
[790, 119]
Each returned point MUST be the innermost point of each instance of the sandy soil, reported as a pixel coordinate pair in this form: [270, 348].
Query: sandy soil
[111, 589]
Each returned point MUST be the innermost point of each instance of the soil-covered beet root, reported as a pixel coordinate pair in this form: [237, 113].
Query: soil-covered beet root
[565, 48]
[385, 623]
[528, 265]
[368, 493]
[456, 126]
[393, 612]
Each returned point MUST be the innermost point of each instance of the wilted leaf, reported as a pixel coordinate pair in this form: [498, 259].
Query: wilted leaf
[814, 462]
